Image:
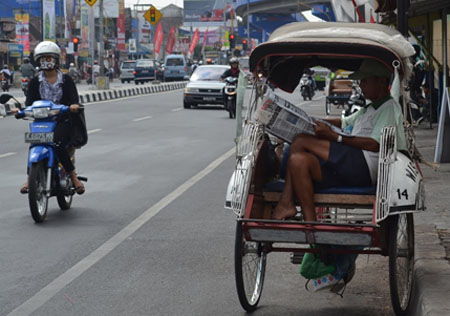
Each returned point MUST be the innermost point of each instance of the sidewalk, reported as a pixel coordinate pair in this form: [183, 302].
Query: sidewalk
[89, 94]
[432, 267]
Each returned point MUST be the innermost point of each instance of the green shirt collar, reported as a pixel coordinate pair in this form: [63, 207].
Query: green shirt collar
[378, 103]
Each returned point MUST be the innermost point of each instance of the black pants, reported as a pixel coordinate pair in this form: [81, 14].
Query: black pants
[61, 138]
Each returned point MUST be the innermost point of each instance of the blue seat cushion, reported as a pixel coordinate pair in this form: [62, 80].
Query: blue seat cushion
[277, 186]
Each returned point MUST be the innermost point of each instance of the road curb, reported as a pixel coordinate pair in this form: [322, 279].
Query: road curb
[103, 95]
[431, 293]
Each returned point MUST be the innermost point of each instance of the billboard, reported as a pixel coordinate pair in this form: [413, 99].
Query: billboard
[206, 10]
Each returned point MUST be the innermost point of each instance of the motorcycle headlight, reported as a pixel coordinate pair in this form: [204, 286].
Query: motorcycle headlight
[190, 90]
[41, 112]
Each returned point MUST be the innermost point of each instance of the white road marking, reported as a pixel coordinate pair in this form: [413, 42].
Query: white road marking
[176, 110]
[142, 118]
[94, 130]
[46, 293]
[7, 155]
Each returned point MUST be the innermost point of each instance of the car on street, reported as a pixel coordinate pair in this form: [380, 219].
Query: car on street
[145, 70]
[175, 68]
[205, 86]
[126, 71]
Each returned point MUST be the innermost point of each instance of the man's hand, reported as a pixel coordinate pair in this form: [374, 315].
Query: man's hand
[74, 108]
[15, 111]
[323, 131]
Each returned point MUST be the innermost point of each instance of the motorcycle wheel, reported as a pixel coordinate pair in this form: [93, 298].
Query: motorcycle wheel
[64, 200]
[37, 198]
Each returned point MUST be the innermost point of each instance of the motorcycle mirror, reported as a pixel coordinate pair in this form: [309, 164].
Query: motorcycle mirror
[5, 97]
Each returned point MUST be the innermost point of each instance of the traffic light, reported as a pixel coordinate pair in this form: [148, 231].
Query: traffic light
[75, 42]
[244, 44]
[232, 40]
[152, 15]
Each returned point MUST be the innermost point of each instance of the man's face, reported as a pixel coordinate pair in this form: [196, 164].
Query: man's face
[373, 88]
[234, 65]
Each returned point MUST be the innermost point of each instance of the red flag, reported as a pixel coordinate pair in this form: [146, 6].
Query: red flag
[372, 20]
[170, 41]
[158, 39]
[194, 42]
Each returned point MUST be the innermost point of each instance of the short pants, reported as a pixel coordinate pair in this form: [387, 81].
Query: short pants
[346, 167]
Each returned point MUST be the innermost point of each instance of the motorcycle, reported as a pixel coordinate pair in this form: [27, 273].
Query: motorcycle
[46, 177]
[355, 102]
[5, 83]
[230, 94]
[306, 87]
[24, 83]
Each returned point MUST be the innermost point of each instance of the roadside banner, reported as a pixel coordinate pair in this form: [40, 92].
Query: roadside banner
[158, 39]
[48, 18]
[121, 27]
[23, 32]
[171, 41]
[194, 42]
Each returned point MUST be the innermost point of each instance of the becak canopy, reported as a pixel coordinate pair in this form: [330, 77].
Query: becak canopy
[300, 45]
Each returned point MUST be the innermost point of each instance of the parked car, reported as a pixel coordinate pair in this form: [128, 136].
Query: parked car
[145, 70]
[176, 68]
[205, 86]
[126, 70]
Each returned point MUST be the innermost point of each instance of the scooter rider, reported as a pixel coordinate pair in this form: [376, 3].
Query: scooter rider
[27, 69]
[51, 84]
[73, 72]
[233, 71]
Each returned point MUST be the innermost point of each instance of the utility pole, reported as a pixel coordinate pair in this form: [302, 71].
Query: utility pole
[102, 44]
[248, 23]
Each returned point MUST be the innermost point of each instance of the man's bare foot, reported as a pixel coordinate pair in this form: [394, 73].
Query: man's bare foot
[282, 212]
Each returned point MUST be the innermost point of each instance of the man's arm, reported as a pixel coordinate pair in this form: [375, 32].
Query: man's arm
[365, 143]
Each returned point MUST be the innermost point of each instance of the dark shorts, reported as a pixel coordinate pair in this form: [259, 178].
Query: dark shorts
[346, 167]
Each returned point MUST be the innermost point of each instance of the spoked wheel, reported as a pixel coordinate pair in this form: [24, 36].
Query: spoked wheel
[401, 261]
[250, 267]
[37, 198]
[327, 107]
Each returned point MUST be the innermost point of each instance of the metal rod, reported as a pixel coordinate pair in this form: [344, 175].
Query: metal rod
[101, 40]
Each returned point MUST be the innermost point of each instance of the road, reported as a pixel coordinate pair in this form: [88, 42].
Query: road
[150, 236]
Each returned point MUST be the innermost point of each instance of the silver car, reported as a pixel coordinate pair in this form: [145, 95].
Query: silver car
[126, 70]
[205, 86]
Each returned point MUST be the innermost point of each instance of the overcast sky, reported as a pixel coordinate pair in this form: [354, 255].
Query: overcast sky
[157, 3]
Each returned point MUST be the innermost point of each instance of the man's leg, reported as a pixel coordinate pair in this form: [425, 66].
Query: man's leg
[302, 170]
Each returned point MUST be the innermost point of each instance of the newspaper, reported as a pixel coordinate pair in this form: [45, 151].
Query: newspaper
[285, 120]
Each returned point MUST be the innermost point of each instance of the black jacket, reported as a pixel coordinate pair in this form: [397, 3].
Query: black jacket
[69, 96]
[230, 73]
[78, 132]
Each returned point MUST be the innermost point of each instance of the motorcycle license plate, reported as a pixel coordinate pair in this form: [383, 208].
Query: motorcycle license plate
[38, 138]
[209, 98]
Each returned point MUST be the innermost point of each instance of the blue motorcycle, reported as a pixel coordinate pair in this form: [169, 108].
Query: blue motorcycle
[46, 176]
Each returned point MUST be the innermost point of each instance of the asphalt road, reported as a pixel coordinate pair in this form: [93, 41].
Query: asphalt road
[150, 236]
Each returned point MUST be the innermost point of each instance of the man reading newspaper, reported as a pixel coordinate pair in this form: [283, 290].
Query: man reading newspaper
[326, 158]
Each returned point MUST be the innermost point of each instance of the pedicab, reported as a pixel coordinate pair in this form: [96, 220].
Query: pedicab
[360, 220]
[338, 93]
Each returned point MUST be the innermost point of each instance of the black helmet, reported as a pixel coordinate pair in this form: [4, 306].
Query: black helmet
[26, 60]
